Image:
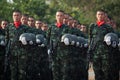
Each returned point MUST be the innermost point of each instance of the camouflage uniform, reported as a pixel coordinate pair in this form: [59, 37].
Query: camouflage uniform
[114, 60]
[37, 64]
[100, 56]
[66, 61]
[77, 59]
[28, 62]
[2, 56]
[17, 58]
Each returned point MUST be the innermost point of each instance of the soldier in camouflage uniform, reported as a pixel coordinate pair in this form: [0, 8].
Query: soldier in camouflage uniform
[27, 61]
[37, 64]
[2, 54]
[114, 52]
[55, 32]
[98, 51]
[64, 67]
[17, 58]
[112, 41]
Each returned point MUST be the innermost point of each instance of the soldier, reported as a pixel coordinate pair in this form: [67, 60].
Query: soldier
[65, 19]
[24, 19]
[38, 24]
[98, 51]
[31, 21]
[28, 62]
[54, 34]
[4, 23]
[13, 32]
[44, 27]
[65, 62]
[2, 53]
[37, 66]
[112, 42]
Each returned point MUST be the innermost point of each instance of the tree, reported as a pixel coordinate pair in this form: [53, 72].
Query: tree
[83, 10]
[6, 10]
[36, 8]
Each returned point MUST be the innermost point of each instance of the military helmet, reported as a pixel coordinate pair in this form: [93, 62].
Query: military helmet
[74, 40]
[27, 38]
[86, 43]
[41, 40]
[2, 40]
[82, 42]
[66, 39]
[111, 39]
[44, 43]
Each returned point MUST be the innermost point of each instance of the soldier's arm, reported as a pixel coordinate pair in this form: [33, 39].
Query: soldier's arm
[90, 42]
[90, 28]
[48, 34]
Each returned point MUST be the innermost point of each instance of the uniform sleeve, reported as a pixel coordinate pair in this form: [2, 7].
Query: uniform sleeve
[48, 34]
[90, 28]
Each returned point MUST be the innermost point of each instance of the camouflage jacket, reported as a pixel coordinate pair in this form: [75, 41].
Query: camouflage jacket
[64, 57]
[2, 55]
[96, 34]
[18, 52]
[100, 54]
[2, 48]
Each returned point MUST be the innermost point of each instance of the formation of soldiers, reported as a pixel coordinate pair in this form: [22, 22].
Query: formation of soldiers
[61, 51]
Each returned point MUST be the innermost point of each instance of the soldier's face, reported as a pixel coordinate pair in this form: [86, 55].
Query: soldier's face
[38, 24]
[16, 16]
[100, 16]
[31, 22]
[4, 24]
[24, 20]
[59, 16]
[65, 19]
[83, 28]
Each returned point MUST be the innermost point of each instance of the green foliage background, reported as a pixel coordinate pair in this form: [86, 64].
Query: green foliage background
[83, 10]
